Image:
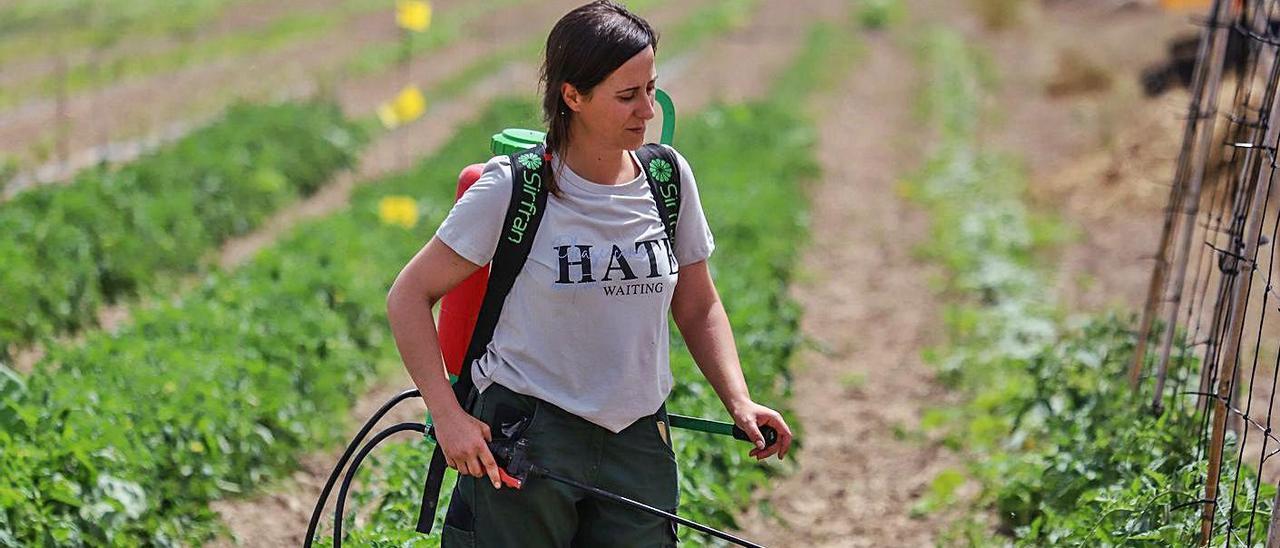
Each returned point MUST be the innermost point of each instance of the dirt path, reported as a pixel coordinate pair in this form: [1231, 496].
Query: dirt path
[279, 517]
[1095, 157]
[1099, 157]
[164, 106]
[235, 18]
[392, 151]
[869, 310]
[135, 107]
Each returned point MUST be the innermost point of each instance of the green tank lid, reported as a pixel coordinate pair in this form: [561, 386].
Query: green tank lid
[513, 140]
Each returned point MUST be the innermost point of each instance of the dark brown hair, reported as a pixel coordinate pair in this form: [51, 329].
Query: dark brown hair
[583, 49]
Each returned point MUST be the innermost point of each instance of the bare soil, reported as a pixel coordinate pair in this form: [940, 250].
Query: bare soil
[171, 102]
[869, 310]
[1098, 155]
[235, 18]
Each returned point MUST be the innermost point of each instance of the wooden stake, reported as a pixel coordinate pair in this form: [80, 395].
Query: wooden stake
[1238, 296]
[1223, 12]
[1273, 530]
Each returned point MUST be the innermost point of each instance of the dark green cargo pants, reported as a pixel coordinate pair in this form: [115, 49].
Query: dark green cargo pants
[637, 463]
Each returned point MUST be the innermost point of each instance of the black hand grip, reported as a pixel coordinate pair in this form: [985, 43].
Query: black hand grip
[770, 435]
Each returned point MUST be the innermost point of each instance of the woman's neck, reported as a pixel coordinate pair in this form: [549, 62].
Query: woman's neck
[601, 165]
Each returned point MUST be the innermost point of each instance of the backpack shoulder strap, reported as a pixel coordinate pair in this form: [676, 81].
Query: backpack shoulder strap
[529, 171]
[662, 169]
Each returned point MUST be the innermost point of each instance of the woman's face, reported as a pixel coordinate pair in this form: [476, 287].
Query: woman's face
[616, 111]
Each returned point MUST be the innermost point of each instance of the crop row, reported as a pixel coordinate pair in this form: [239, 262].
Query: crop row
[1065, 452]
[75, 235]
[109, 234]
[125, 438]
[283, 31]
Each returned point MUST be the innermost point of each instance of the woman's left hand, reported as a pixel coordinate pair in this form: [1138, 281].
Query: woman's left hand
[750, 417]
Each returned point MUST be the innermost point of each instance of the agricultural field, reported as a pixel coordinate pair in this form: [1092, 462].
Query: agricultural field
[936, 227]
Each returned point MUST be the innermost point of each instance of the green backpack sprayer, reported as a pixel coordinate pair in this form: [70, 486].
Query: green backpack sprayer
[469, 315]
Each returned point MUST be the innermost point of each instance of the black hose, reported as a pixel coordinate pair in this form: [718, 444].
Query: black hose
[423, 428]
[355, 465]
[601, 493]
[346, 455]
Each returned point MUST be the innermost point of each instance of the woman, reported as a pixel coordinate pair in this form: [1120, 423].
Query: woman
[585, 363]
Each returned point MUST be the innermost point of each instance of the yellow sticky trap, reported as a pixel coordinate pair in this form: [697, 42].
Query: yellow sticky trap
[398, 210]
[414, 15]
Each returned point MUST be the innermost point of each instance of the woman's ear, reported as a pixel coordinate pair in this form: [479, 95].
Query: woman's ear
[571, 96]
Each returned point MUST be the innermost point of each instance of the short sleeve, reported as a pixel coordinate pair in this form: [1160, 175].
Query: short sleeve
[694, 241]
[472, 227]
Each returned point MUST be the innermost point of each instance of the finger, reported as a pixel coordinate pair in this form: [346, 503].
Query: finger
[477, 469]
[491, 467]
[485, 429]
[768, 451]
[753, 432]
[784, 437]
[473, 467]
[775, 421]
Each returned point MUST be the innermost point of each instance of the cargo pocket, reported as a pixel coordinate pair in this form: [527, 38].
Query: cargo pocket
[452, 537]
[459, 514]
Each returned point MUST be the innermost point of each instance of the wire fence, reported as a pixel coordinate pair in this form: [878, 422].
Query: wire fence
[1211, 354]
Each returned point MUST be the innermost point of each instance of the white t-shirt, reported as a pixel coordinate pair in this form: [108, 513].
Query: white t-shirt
[585, 325]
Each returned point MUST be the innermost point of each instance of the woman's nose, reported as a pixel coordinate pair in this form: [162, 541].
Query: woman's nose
[646, 110]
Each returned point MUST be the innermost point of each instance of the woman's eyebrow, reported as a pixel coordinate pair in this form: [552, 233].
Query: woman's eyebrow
[635, 88]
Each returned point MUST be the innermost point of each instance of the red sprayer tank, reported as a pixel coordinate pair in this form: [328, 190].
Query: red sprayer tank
[460, 307]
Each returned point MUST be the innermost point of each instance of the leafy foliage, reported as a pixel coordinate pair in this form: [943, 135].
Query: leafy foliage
[110, 234]
[1066, 453]
[125, 439]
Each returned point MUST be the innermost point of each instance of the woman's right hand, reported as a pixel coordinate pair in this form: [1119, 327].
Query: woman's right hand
[464, 441]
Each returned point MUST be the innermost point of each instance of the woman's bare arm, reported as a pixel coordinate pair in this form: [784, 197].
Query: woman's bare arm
[432, 272]
[702, 321]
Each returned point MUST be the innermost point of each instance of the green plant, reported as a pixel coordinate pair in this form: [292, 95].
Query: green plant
[110, 233]
[8, 170]
[1065, 452]
[212, 392]
[853, 380]
[878, 14]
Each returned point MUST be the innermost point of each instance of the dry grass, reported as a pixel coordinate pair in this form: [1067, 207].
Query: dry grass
[999, 14]
[1076, 74]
